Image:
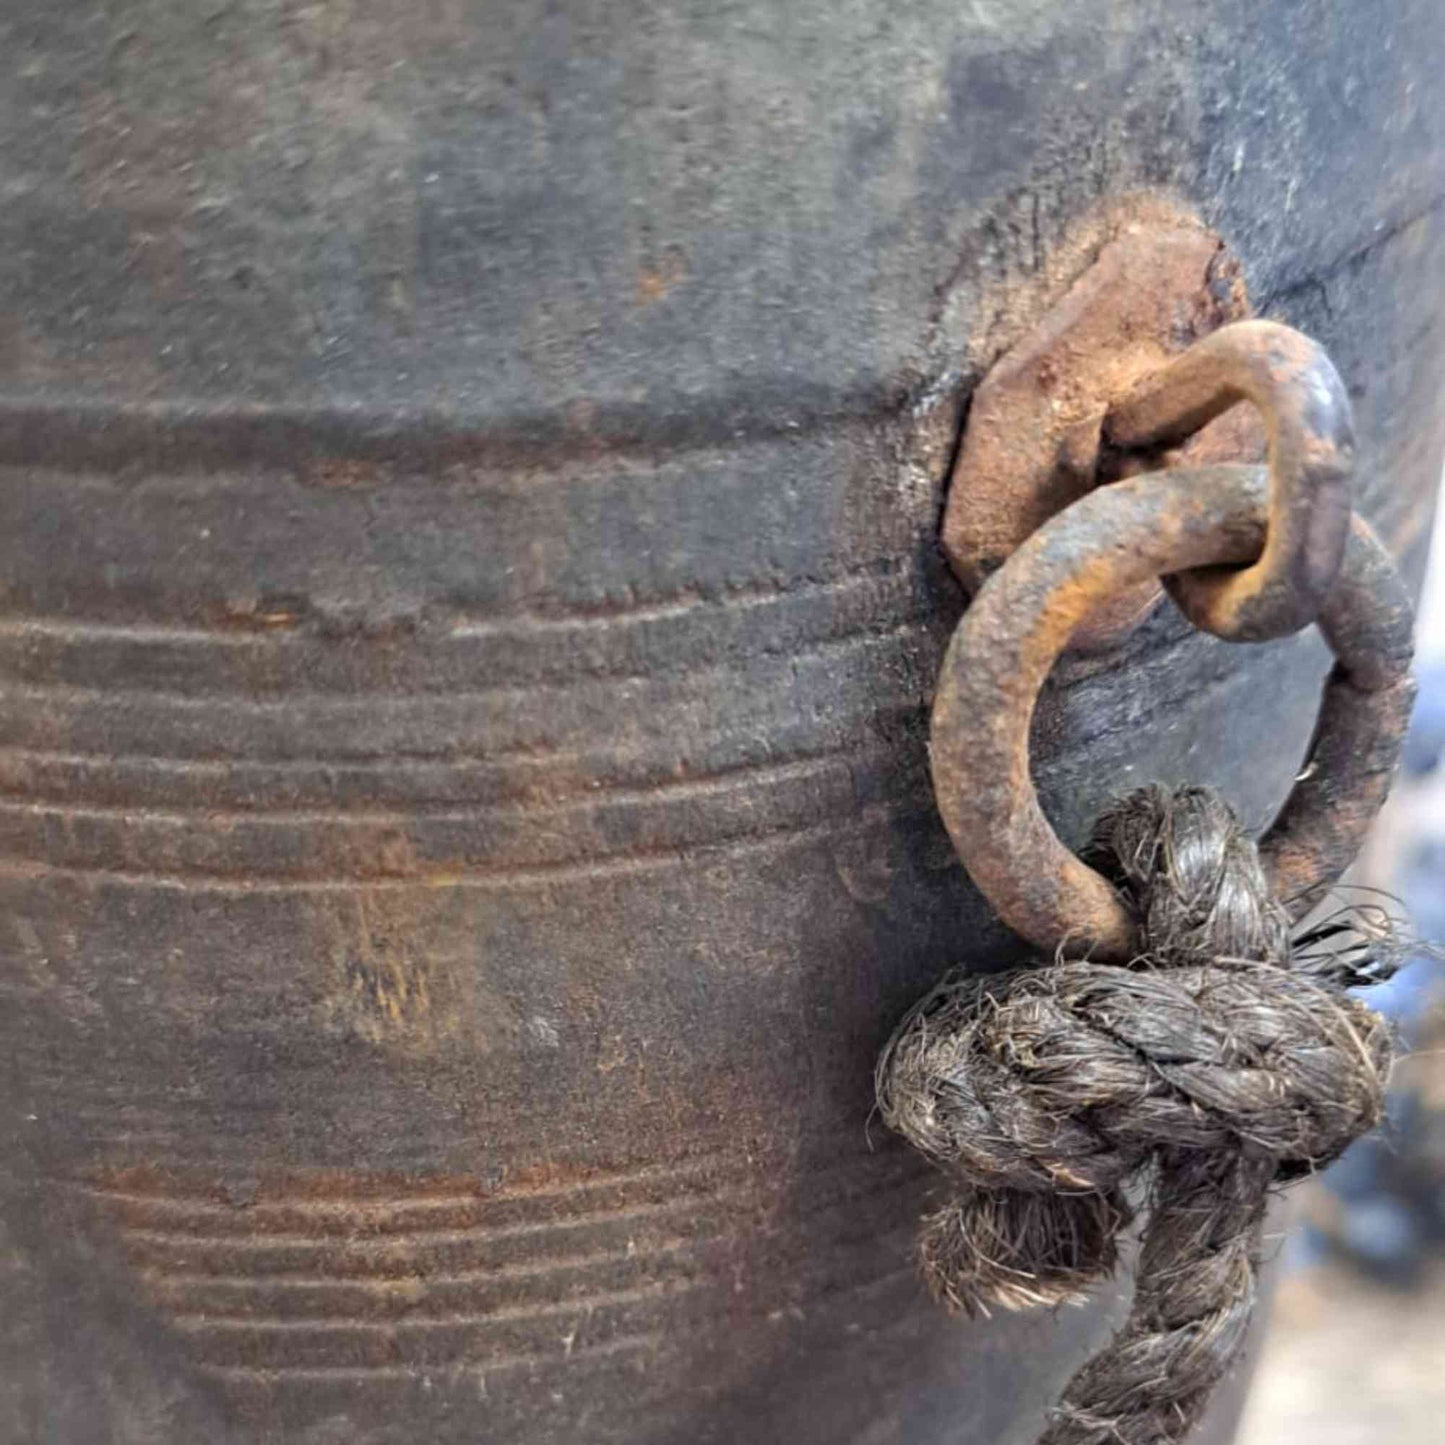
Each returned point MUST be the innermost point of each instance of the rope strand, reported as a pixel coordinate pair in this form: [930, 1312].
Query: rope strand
[1043, 1092]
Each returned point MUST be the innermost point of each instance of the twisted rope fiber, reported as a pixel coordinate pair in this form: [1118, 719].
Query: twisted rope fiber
[1219, 1063]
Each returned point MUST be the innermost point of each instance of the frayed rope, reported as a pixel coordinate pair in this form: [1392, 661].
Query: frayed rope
[1218, 1064]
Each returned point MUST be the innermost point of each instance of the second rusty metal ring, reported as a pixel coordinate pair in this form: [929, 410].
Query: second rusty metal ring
[1295, 386]
[1158, 524]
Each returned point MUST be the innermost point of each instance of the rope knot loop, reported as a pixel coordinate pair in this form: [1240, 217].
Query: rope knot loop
[1212, 1064]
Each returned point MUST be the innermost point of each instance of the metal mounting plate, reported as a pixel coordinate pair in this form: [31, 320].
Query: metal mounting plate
[1032, 443]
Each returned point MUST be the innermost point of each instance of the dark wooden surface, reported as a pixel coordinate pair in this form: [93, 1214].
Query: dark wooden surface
[469, 481]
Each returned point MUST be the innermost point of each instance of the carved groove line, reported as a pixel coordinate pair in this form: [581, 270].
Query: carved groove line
[519, 623]
[471, 876]
[702, 786]
[379, 1325]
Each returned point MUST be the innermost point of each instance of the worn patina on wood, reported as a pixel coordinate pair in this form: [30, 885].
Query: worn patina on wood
[470, 480]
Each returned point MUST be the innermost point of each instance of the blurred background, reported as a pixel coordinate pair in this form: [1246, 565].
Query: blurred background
[1355, 1352]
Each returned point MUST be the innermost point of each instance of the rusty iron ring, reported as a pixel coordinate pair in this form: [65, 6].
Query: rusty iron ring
[1022, 618]
[1297, 390]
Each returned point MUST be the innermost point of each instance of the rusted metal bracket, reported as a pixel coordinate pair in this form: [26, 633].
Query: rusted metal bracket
[1065, 505]
[1034, 440]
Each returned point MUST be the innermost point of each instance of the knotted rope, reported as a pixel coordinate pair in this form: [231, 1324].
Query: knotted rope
[1216, 1065]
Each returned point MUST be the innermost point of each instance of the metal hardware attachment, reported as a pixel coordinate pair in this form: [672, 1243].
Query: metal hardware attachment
[1154, 525]
[1311, 455]
[1034, 439]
